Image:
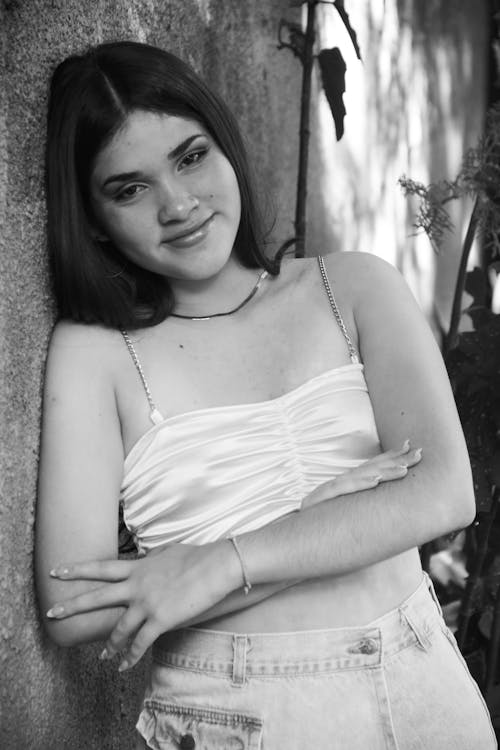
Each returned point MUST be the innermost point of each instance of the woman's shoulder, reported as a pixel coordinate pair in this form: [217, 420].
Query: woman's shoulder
[68, 335]
[354, 267]
[365, 278]
[78, 350]
[358, 267]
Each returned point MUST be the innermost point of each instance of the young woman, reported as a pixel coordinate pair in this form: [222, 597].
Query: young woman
[249, 423]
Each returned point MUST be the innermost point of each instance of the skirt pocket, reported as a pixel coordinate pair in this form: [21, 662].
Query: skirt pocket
[173, 726]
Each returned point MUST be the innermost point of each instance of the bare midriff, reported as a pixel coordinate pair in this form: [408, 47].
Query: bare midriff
[346, 600]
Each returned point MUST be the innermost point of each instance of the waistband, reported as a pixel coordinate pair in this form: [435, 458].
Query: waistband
[241, 656]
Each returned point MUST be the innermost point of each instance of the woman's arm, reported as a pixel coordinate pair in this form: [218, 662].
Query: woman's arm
[80, 472]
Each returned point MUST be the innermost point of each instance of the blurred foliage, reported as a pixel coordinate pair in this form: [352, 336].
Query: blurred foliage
[478, 177]
[473, 362]
[474, 370]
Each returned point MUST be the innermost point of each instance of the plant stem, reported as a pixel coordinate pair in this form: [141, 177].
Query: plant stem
[456, 310]
[305, 101]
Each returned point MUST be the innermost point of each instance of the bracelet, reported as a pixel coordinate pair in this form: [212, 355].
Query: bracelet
[246, 583]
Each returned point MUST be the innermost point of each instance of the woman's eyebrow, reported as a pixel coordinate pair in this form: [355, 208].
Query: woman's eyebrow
[123, 177]
[177, 151]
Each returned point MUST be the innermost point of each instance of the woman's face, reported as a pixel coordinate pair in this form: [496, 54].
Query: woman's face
[166, 196]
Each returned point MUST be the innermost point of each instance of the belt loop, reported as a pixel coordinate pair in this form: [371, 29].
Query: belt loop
[432, 592]
[240, 643]
[419, 632]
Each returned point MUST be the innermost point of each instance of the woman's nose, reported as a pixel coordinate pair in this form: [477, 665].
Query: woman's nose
[176, 205]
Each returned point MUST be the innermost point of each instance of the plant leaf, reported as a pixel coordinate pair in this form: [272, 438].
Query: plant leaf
[333, 70]
[339, 5]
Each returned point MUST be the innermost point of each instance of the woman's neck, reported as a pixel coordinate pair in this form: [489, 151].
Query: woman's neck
[217, 294]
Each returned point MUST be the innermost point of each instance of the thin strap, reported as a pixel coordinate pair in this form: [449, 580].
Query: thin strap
[338, 317]
[154, 414]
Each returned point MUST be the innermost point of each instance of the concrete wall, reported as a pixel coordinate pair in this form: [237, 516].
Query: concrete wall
[418, 95]
[51, 698]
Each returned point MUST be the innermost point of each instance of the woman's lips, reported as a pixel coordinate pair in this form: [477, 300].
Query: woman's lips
[191, 237]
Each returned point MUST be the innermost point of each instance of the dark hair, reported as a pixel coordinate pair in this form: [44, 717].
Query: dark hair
[91, 96]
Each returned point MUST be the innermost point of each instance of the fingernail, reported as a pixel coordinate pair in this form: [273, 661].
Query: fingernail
[402, 466]
[59, 572]
[418, 453]
[376, 478]
[406, 445]
[123, 666]
[55, 611]
[105, 654]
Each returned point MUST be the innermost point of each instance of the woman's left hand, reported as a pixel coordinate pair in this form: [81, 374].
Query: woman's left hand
[160, 592]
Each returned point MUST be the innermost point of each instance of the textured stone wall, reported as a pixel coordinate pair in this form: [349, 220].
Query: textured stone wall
[51, 698]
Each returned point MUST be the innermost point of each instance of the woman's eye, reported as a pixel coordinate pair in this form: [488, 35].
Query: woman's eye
[129, 192]
[189, 160]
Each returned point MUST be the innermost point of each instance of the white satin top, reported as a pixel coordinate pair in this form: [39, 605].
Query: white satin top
[221, 471]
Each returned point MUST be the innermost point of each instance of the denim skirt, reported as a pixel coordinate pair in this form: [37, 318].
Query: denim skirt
[397, 683]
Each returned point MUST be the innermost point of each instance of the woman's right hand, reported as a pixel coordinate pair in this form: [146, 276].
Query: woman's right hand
[385, 467]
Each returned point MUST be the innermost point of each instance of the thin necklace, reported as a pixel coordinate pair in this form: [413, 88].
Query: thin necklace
[229, 312]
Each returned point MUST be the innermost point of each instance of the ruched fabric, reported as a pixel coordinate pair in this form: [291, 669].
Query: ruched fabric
[209, 473]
